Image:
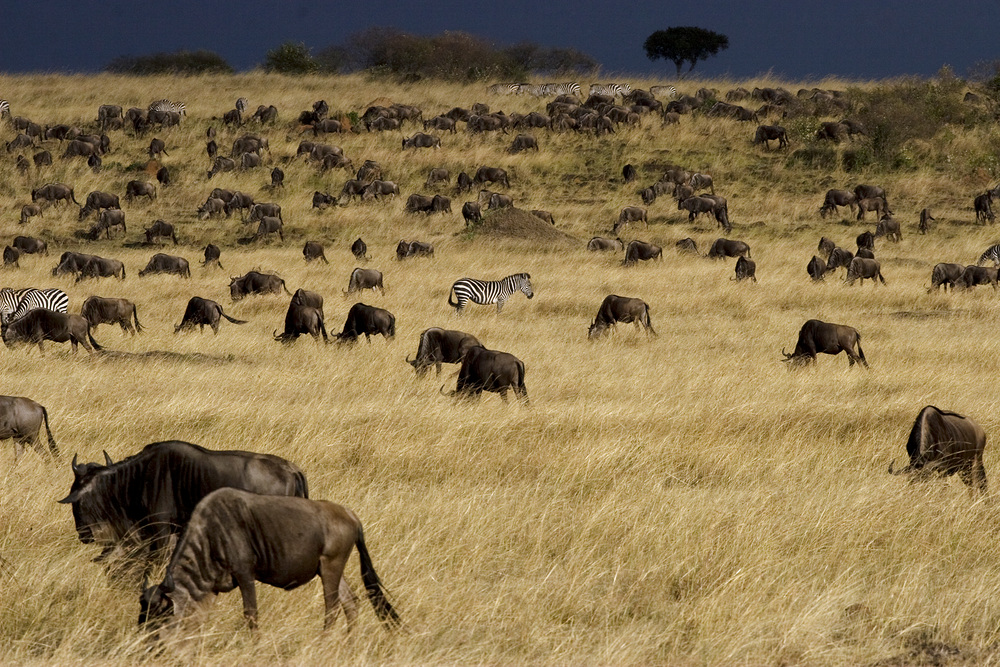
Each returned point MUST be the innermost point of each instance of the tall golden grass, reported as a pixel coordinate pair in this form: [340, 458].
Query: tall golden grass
[679, 500]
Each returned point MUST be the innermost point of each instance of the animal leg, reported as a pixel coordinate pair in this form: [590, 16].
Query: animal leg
[249, 592]
[331, 571]
[499, 306]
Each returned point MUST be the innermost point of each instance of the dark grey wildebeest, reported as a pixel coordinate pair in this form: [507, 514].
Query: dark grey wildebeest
[11, 256]
[135, 189]
[616, 309]
[599, 243]
[876, 204]
[441, 346]
[492, 371]
[631, 214]
[160, 229]
[255, 282]
[687, 246]
[100, 310]
[42, 324]
[767, 133]
[722, 248]
[369, 321]
[523, 142]
[108, 218]
[200, 312]
[983, 205]
[925, 220]
[359, 249]
[30, 246]
[861, 268]
[471, 212]
[212, 255]
[746, 269]
[946, 443]
[491, 175]
[54, 192]
[378, 189]
[839, 258]
[98, 200]
[945, 275]
[977, 275]
[889, 228]
[163, 263]
[870, 192]
[640, 250]
[816, 337]
[21, 419]
[437, 175]
[405, 249]
[321, 200]
[362, 279]
[421, 140]
[235, 538]
[835, 198]
[816, 268]
[29, 211]
[826, 246]
[302, 319]
[270, 225]
[101, 267]
[313, 250]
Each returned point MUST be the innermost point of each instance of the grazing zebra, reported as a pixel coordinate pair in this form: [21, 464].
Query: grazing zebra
[29, 299]
[665, 91]
[242, 104]
[488, 291]
[503, 89]
[4, 108]
[992, 253]
[610, 89]
[167, 105]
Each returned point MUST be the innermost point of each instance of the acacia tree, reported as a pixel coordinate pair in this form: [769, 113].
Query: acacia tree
[683, 44]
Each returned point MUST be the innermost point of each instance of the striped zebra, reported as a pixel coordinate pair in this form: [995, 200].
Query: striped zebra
[488, 291]
[4, 108]
[242, 104]
[167, 105]
[610, 89]
[663, 91]
[567, 88]
[15, 303]
[992, 254]
[503, 89]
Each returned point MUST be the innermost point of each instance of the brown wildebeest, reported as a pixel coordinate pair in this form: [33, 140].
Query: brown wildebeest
[212, 254]
[983, 205]
[728, 248]
[866, 240]
[158, 230]
[359, 249]
[156, 146]
[107, 219]
[889, 228]
[270, 225]
[421, 140]
[362, 279]
[200, 312]
[21, 419]
[163, 263]
[235, 538]
[945, 274]
[414, 249]
[313, 250]
[323, 199]
[599, 243]
[523, 142]
[816, 268]
[745, 269]
[213, 206]
[977, 275]
[30, 246]
[41, 324]
[545, 216]
[29, 211]
[417, 203]
[101, 267]
[491, 175]
[826, 246]
[767, 133]
[835, 198]
[687, 246]
[861, 268]
[471, 212]
[100, 310]
[946, 443]
[441, 346]
[366, 320]
[817, 337]
[135, 189]
[870, 192]
[54, 192]
[255, 282]
[437, 175]
[616, 309]
[839, 258]
[277, 177]
[631, 214]
[640, 250]
[11, 256]
[492, 371]
[628, 173]
[301, 319]
[925, 220]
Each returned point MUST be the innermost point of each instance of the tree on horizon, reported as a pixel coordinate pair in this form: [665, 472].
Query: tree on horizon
[681, 44]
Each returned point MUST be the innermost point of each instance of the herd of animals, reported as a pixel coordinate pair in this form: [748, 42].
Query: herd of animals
[244, 508]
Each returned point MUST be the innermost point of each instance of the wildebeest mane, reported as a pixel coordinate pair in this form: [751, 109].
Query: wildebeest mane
[928, 426]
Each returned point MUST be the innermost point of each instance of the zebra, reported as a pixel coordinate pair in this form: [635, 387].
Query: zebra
[242, 104]
[667, 91]
[610, 89]
[167, 105]
[503, 89]
[992, 253]
[567, 88]
[4, 108]
[489, 291]
[15, 303]
[529, 89]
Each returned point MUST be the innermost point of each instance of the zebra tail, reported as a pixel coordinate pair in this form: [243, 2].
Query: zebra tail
[450, 302]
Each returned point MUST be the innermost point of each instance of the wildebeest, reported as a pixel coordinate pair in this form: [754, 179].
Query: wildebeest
[21, 419]
[817, 337]
[870, 192]
[71, 262]
[628, 173]
[865, 253]
[631, 214]
[255, 282]
[768, 133]
[156, 146]
[302, 319]
[544, 216]
[135, 189]
[974, 275]
[745, 269]
[616, 309]
[160, 229]
[441, 123]
[100, 310]
[98, 200]
[471, 212]
[417, 203]
[463, 183]
[151, 495]
[200, 312]
[816, 268]
[640, 250]
[79, 148]
[378, 189]
[213, 206]
[53, 192]
[826, 246]
[722, 248]
[946, 443]
[945, 274]
[523, 142]
[313, 250]
[498, 200]
[839, 258]
[359, 249]
[437, 175]
[421, 140]
[441, 346]
[264, 210]
[221, 164]
[42, 159]
[889, 228]
[235, 538]
[277, 177]
[362, 279]
[108, 218]
[696, 206]
[212, 254]
[30, 246]
[29, 211]
[11, 256]
[491, 175]
[861, 268]
[835, 198]
[702, 181]
[687, 245]
[370, 170]
[270, 225]
[406, 249]
[865, 240]
[42, 324]
[369, 321]
[832, 130]
[101, 267]
[322, 199]
[492, 371]
[163, 263]
[599, 243]
[441, 204]
[925, 220]
[983, 205]
[353, 188]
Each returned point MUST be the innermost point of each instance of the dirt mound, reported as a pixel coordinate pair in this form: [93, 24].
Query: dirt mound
[514, 223]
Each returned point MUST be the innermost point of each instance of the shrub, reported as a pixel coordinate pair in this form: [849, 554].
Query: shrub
[290, 58]
[176, 62]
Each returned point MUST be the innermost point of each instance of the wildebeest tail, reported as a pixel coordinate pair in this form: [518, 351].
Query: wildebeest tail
[73, 197]
[52, 441]
[861, 353]
[123, 271]
[322, 329]
[392, 325]
[649, 322]
[285, 288]
[301, 486]
[376, 594]
[135, 317]
[233, 319]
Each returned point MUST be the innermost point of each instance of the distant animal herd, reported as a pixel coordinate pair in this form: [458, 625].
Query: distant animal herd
[238, 505]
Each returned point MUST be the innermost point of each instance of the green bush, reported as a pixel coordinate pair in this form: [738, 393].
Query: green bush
[176, 62]
[290, 58]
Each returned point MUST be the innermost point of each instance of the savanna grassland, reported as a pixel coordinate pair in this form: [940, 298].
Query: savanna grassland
[683, 500]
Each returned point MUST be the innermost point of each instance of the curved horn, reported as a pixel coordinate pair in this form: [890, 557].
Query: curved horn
[408, 359]
[76, 468]
[891, 463]
[107, 459]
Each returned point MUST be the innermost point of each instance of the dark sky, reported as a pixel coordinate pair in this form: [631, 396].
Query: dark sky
[798, 40]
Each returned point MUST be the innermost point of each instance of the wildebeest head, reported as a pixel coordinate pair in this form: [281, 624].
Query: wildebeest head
[237, 289]
[92, 511]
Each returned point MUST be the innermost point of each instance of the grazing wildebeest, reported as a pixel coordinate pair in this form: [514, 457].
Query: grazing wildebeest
[817, 337]
[628, 173]
[832, 130]
[302, 319]
[768, 133]
[406, 249]
[270, 225]
[11, 256]
[313, 250]
[437, 175]
[421, 140]
[367, 320]
[353, 188]
[816, 268]
[359, 249]
[99, 310]
[876, 204]
[362, 279]
[440, 204]
[687, 245]
[649, 195]
[53, 192]
[441, 123]
[277, 177]
[71, 262]
[523, 142]
[498, 200]
[261, 211]
[491, 175]
[21, 419]
[826, 246]
[213, 206]
[78, 148]
[235, 538]
[616, 309]
[889, 228]
[212, 254]
[722, 248]
[631, 214]
[266, 114]
[870, 192]
[946, 443]
[135, 189]
[156, 146]
[702, 181]
[201, 312]
[696, 206]
[861, 268]
[640, 250]
[98, 200]
[370, 170]
[925, 220]
[221, 164]
[545, 216]
[835, 198]
[100, 267]
[441, 346]
[463, 183]
[471, 212]
[29, 211]
[108, 218]
[163, 263]
[42, 159]
[839, 258]
[378, 189]
[30, 246]
[866, 240]
[417, 203]
[600, 243]
[322, 199]
[492, 371]
[865, 253]
[255, 282]
[945, 274]
[212, 149]
[977, 275]
[147, 497]
[42, 324]
[983, 205]
[745, 269]
[160, 229]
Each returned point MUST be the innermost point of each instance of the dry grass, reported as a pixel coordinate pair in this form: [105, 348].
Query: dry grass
[680, 500]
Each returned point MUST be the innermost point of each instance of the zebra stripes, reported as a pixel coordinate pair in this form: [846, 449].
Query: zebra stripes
[167, 105]
[504, 89]
[992, 254]
[489, 291]
[663, 91]
[15, 303]
[4, 108]
[535, 90]
[610, 89]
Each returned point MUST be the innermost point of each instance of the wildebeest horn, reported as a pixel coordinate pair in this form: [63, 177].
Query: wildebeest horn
[408, 359]
[787, 356]
[73, 464]
[891, 463]
[107, 459]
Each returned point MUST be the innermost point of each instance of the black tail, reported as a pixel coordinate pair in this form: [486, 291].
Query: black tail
[301, 486]
[135, 316]
[231, 319]
[450, 302]
[52, 441]
[383, 609]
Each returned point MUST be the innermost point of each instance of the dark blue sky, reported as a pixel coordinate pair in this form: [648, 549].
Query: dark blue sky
[795, 39]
